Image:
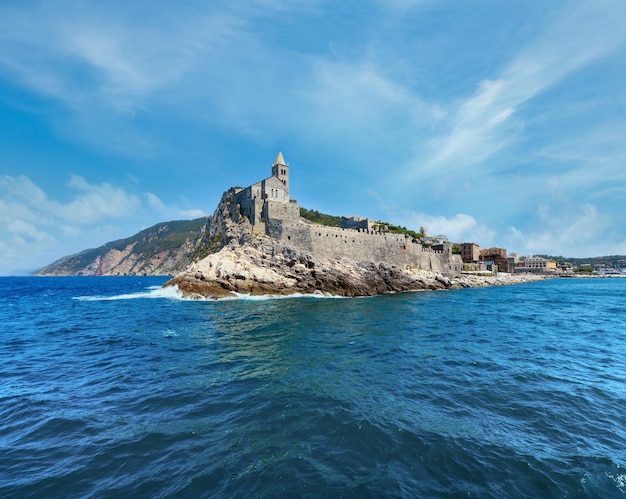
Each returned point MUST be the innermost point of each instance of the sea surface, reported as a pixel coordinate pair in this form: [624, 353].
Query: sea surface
[114, 387]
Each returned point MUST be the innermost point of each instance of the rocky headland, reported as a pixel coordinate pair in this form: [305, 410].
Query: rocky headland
[255, 264]
[268, 270]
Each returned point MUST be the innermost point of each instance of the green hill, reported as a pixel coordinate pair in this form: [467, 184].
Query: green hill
[158, 250]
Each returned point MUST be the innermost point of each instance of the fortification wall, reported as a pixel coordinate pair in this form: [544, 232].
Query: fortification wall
[358, 223]
[332, 242]
[281, 210]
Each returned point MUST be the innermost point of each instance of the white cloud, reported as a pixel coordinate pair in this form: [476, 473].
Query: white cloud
[192, 213]
[98, 202]
[25, 233]
[166, 212]
[591, 157]
[459, 228]
[70, 230]
[23, 200]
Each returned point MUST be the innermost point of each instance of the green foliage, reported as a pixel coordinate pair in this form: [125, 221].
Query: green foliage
[456, 250]
[168, 236]
[396, 229]
[335, 221]
[209, 245]
[320, 218]
[584, 269]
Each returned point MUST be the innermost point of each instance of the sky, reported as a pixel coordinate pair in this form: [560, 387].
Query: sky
[499, 123]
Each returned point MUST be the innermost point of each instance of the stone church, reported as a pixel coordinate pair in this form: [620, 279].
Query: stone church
[268, 198]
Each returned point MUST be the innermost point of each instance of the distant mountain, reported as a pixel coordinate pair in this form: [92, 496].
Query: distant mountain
[164, 249]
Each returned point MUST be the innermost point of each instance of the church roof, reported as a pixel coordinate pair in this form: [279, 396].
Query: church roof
[279, 159]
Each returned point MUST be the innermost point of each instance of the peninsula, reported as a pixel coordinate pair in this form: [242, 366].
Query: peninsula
[261, 245]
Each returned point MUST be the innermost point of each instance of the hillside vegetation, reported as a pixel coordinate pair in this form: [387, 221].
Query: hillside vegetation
[320, 218]
[335, 221]
[159, 248]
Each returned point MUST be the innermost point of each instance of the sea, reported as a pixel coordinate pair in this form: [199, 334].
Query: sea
[117, 387]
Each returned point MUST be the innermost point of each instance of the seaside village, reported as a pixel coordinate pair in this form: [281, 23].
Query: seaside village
[268, 206]
[496, 260]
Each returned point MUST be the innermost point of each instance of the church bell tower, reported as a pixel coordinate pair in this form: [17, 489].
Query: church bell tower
[280, 169]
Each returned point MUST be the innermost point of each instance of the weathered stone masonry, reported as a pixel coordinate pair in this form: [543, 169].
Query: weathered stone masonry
[270, 210]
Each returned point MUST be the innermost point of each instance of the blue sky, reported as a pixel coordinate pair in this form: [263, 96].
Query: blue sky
[502, 123]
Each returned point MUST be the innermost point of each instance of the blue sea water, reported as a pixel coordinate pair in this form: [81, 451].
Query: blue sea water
[113, 387]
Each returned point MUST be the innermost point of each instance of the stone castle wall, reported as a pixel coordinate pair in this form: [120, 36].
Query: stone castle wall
[333, 242]
[281, 210]
[359, 223]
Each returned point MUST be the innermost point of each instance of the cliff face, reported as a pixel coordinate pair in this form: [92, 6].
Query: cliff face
[164, 249]
[289, 262]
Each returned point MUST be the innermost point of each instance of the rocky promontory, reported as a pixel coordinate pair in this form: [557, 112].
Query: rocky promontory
[255, 264]
[271, 270]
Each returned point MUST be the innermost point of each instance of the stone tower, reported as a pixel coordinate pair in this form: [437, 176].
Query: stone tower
[280, 169]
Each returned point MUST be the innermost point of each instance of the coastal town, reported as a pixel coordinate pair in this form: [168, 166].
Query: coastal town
[497, 260]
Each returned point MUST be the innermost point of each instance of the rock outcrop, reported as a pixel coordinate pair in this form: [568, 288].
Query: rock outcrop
[268, 269]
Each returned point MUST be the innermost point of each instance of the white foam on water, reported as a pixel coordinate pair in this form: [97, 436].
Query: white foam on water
[170, 292]
[247, 297]
[619, 479]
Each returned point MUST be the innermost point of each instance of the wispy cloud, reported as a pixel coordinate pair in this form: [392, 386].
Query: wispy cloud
[101, 54]
[592, 155]
[97, 68]
[489, 120]
[358, 99]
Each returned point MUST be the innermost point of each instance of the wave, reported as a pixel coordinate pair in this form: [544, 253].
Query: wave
[172, 292]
